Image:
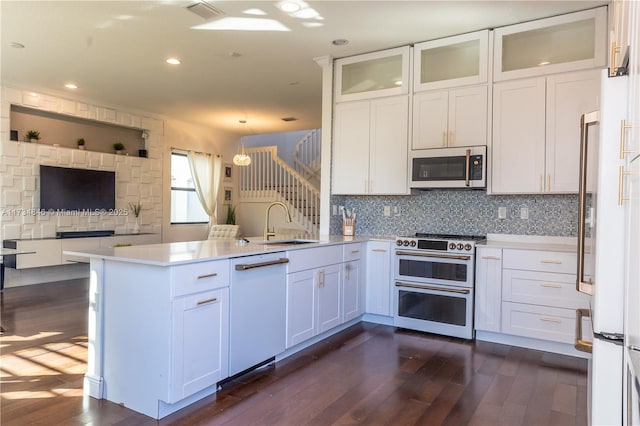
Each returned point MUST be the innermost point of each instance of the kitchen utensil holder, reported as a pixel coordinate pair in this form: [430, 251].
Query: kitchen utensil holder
[348, 227]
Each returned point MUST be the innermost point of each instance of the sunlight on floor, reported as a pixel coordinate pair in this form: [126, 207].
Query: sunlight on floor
[41, 335]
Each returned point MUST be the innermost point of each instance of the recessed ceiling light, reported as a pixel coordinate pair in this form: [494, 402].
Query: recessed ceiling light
[340, 42]
[288, 119]
[289, 6]
[312, 24]
[242, 121]
[71, 86]
[17, 45]
[543, 63]
[235, 54]
[173, 61]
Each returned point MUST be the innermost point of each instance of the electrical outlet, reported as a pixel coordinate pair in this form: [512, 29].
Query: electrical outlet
[396, 211]
[387, 210]
[524, 213]
[334, 210]
[502, 212]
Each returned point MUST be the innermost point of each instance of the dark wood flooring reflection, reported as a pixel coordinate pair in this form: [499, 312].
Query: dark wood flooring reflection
[368, 374]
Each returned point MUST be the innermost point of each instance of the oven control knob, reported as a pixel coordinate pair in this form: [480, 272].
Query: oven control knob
[460, 246]
[399, 243]
[467, 247]
[406, 243]
[412, 243]
[452, 246]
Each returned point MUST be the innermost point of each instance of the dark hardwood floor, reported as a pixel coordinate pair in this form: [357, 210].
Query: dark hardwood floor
[368, 374]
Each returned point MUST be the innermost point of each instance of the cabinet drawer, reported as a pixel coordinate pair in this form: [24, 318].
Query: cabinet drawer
[351, 252]
[544, 261]
[300, 260]
[539, 322]
[542, 288]
[199, 277]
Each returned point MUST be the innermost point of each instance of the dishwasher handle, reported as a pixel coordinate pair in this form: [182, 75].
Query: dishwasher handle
[246, 266]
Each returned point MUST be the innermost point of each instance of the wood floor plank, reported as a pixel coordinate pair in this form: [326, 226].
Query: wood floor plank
[368, 374]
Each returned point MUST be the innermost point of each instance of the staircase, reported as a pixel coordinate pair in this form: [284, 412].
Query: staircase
[306, 157]
[268, 178]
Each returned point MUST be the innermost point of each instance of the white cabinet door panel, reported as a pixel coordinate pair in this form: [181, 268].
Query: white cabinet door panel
[568, 97]
[468, 116]
[351, 148]
[329, 298]
[430, 120]
[518, 136]
[301, 307]
[488, 290]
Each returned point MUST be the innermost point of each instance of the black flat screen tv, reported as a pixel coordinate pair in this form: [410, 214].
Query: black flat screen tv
[64, 188]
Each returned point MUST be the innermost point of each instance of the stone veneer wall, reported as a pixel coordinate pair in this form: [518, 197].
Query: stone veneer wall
[136, 179]
[461, 212]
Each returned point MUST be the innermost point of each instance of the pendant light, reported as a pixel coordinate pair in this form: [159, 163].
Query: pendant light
[241, 158]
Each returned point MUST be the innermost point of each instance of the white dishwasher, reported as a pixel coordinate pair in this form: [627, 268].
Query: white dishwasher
[258, 310]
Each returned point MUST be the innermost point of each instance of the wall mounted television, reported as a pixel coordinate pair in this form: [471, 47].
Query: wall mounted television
[64, 188]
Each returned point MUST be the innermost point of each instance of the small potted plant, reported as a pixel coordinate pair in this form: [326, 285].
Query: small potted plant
[81, 144]
[231, 215]
[32, 136]
[135, 209]
[119, 147]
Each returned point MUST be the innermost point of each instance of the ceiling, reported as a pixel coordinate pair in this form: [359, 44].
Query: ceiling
[115, 52]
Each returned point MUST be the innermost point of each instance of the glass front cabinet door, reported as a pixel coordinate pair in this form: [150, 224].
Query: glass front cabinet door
[372, 75]
[563, 43]
[451, 62]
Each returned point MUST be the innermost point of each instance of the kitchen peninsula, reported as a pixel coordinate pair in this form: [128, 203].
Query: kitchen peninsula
[161, 330]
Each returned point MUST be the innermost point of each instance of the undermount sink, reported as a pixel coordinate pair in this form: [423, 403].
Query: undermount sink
[294, 241]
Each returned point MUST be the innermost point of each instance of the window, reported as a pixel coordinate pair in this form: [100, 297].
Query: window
[185, 206]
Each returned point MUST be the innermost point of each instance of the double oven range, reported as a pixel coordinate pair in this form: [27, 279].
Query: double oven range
[434, 283]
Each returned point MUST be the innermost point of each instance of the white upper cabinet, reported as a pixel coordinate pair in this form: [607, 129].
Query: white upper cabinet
[546, 46]
[450, 62]
[370, 147]
[536, 132]
[448, 118]
[372, 75]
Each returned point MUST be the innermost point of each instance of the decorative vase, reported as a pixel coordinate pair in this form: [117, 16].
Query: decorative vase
[136, 227]
[118, 152]
[81, 147]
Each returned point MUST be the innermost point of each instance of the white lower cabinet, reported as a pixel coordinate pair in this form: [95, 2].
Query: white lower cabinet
[488, 289]
[539, 298]
[379, 278]
[527, 293]
[166, 337]
[352, 282]
[200, 335]
[314, 292]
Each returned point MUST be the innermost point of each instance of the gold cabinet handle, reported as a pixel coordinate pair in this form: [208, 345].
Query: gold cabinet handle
[550, 285]
[444, 138]
[347, 269]
[380, 250]
[321, 278]
[540, 184]
[355, 251]
[450, 137]
[549, 183]
[491, 257]
[205, 301]
[207, 276]
[580, 344]
[547, 319]
[623, 127]
[621, 174]
[552, 261]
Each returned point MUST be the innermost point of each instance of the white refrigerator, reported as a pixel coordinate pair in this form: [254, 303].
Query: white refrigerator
[601, 250]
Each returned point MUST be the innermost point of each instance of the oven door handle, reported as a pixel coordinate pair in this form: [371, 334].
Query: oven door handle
[427, 287]
[468, 164]
[437, 256]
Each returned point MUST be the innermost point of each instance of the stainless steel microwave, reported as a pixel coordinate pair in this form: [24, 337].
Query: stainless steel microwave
[460, 167]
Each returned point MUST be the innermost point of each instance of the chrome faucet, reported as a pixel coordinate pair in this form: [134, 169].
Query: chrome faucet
[268, 233]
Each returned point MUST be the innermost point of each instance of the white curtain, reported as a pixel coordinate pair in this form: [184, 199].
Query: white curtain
[207, 172]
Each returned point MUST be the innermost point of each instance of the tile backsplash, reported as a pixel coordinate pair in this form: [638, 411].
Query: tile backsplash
[460, 212]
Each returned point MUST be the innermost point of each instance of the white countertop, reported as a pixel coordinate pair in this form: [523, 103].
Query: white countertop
[168, 254]
[531, 242]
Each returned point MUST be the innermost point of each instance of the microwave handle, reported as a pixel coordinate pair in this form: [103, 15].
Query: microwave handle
[466, 177]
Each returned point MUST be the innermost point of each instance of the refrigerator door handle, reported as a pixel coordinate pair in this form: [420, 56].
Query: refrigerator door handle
[582, 345]
[583, 285]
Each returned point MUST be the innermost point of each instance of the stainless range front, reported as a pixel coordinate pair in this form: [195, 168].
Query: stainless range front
[434, 283]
